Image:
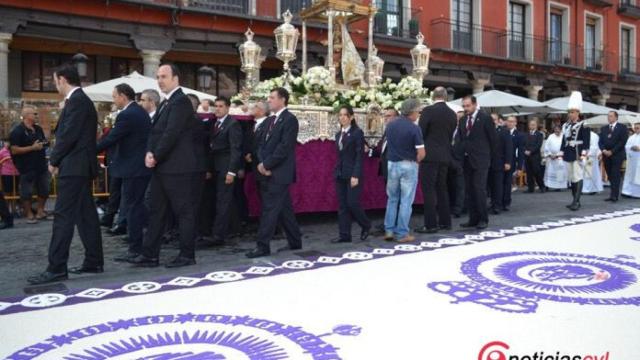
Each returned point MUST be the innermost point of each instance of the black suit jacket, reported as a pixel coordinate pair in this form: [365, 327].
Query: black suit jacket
[278, 152]
[75, 151]
[226, 146]
[128, 141]
[479, 144]
[176, 137]
[437, 122]
[504, 151]
[349, 162]
[258, 138]
[533, 143]
[517, 161]
[614, 141]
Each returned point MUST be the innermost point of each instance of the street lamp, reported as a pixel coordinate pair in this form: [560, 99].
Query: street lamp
[80, 61]
[376, 67]
[420, 57]
[205, 75]
[250, 58]
[286, 42]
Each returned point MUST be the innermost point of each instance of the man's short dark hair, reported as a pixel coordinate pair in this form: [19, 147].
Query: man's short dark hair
[614, 113]
[70, 73]
[472, 98]
[175, 71]
[126, 90]
[223, 99]
[283, 94]
[395, 111]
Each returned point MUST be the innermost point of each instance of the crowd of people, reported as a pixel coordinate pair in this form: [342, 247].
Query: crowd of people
[176, 165]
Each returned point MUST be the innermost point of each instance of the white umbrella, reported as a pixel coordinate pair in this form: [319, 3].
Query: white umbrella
[456, 108]
[502, 102]
[624, 117]
[102, 91]
[587, 107]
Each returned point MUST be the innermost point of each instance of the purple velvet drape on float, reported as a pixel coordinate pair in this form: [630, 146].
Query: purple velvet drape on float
[314, 190]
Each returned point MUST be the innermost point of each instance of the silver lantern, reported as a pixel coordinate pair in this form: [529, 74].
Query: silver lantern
[420, 57]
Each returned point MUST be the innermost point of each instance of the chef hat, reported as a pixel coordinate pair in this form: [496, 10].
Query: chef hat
[575, 101]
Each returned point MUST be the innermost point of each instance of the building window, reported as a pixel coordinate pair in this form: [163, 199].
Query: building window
[626, 60]
[122, 67]
[556, 36]
[517, 33]
[462, 25]
[590, 46]
[226, 6]
[38, 69]
[388, 20]
[295, 6]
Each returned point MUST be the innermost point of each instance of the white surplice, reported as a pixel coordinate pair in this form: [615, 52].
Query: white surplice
[631, 184]
[592, 174]
[555, 173]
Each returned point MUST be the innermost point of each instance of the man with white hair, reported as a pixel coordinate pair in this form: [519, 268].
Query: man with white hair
[405, 149]
[149, 100]
[575, 147]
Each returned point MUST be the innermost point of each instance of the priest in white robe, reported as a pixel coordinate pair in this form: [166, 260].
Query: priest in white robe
[593, 175]
[631, 184]
[555, 173]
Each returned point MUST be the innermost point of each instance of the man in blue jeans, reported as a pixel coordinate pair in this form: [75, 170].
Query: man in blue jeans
[405, 149]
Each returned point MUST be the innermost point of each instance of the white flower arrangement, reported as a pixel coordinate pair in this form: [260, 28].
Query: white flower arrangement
[317, 80]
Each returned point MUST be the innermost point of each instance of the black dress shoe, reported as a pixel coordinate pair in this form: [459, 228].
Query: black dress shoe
[364, 234]
[339, 240]
[117, 230]
[255, 253]
[445, 227]
[482, 225]
[468, 225]
[126, 257]
[6, 225]
[494, 211]
[608, 199]
[143, 261]
[426, 230]
[106, 221]
[86, 269]
[506, 208]
[180, 261]
[287, 248]
[47, 277]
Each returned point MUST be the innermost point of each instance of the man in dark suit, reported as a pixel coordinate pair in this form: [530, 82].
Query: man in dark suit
[176, 156]
[533, 157]
[128, 139]
[613, 138]
[500, 165]
[277, 161]
[455, 178]
[256, 140]
[225, 163]
[517, 160]
[73, 160]
[437, 122]
[477, 136]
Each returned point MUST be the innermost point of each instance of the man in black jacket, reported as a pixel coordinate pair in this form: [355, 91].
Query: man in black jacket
[73, 160]
[277, 161]
[477, 136]
[437, 122]
[225, 163]
[500, 165]
[176, 156]
[533, 157]
[517, 160]
[128, 139]
[613, 138]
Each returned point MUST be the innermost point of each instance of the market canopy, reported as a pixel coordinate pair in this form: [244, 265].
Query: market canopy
[503, 102]
[102, 91]
[562, 103]
[624, 117]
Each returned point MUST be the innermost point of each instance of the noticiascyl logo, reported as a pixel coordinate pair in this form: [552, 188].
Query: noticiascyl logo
[493, 351]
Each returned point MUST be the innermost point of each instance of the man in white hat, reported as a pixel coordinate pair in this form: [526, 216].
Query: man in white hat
[575, 147]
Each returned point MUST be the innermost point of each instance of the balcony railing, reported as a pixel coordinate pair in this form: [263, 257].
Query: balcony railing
[402, 22]
[629, 66]
[226, 6]
[601, 3]
[492, 42]
[253, 8]
[629, 8]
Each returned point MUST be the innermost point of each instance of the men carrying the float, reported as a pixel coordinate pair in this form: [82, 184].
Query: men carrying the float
[575, 147]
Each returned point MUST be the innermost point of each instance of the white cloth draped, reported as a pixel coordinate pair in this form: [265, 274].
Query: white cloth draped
[593, 176]
[631, 184]
[555, 173]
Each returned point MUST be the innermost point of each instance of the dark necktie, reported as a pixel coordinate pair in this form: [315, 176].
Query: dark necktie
[611, 128]
[272, 123]
[343, 137]
[216, 127]
[469, 124]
